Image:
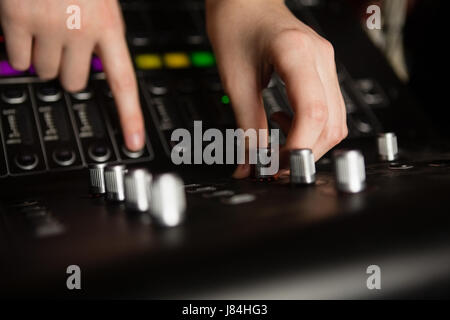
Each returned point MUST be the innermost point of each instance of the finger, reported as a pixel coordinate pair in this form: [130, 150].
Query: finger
[120, 74]
[242, 85]
[47, 56]
[307, 97]
[18, 45]
[283, 120]
[75, 66]
[336, 128]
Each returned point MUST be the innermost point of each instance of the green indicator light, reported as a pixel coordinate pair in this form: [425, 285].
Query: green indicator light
[225, 99]
[203, 59]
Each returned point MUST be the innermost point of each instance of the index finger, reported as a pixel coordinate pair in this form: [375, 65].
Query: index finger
[113, 52]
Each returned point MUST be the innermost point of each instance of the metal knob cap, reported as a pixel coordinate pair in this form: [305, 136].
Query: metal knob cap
[302, 166]
[168, 203]
[261, 155]
[97, 178]
[350, 171]
[137, 190]
[387, 146]
[114, 182]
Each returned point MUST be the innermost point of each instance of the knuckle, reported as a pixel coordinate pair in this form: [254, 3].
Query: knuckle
[111, 20]
[13, 15]
[335, 135]
[327, 48]
[290, 42]
[317, 113]
[124, 83]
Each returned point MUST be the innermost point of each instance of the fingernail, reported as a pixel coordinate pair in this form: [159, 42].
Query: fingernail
[135, 141]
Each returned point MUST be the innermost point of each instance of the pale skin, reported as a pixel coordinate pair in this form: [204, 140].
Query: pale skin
[251, 39]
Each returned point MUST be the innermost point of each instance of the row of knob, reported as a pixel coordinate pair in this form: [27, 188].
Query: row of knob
[163, 196]
[349, 165]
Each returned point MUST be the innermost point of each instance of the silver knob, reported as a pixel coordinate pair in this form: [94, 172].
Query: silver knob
[97, 178]
[302, 166]
[114, 182]
[137, 189]
[168, 203]
[387, 146]
[261, 155]
[350, 171]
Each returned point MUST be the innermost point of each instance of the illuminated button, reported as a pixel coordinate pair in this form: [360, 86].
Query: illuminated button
[96, 64]
[225, 99]
[148, 61]
[7, 71]
[176, 60]
[203, 59]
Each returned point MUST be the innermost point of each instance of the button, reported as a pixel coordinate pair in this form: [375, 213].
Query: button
[26, 161]
[158, 87]
[64, 157]
[176, 60]
[217, 194]
[239, 199]
[400, 166]
[148, 61]
[83, 95]
[49, 93]
[133, 154]
[14, 95]
[201, 189]
[203, 59]
[96, 64]
[99, 153]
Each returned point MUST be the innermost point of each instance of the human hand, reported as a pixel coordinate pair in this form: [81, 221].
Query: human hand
[36, 33]
[251, 39]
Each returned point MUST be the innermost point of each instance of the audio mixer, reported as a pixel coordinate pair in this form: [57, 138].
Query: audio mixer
[73, 194]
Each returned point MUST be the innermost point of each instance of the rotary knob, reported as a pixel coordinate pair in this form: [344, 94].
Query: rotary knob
[350, 171]
[302, 166]
[114, 182]
[137, 189]
[168, 203]
[97, 178]
[262, 154]
[387, 146]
